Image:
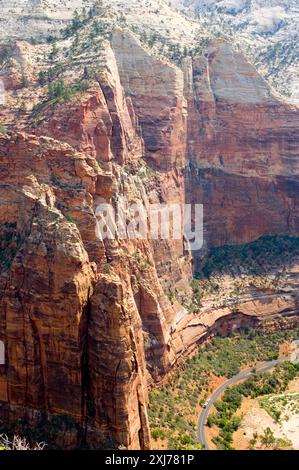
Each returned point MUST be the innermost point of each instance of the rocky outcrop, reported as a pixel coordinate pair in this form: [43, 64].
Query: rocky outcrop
[156, 90]
[89, 323]
[124, 317]
[103, 123]
[57, 303]
[242, 157]
[267, 309]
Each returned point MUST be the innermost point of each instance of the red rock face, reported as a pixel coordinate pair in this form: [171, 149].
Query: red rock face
[46, 281]
[242, 150]
[156, 91]
[87, 323]
[73, 335]
[120, 300]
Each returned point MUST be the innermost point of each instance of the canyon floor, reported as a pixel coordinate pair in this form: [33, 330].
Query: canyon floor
[175, 406]
[255, 420]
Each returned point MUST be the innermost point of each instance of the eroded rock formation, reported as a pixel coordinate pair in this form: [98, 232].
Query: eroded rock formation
[242, 152]
[87, 323]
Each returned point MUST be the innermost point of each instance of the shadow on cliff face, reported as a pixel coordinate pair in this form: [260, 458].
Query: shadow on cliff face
[9, 242]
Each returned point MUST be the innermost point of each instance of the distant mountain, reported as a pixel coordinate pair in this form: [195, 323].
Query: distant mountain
[35, 18]
[267, 30]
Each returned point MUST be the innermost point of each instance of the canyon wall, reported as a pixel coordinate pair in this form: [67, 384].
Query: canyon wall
[87, 323]
[242, 150]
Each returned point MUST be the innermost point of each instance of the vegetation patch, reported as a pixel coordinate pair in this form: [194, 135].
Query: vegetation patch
[10, 242]
[2, 128]
[280, 407]
[232, 272]
[259, 257]
[59, 92]
[267, 440]
[174, 407]
[48, 427]
[260, 384]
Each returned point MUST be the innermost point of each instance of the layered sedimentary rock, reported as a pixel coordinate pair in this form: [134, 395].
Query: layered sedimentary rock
[123, 318]
[38, 18]
[267, 307]
[242, 152]
[156, 90]
[88, 323]
[66, 354]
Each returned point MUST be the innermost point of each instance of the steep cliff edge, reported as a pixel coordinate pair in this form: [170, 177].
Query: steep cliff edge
[69, 323]
[123, 318]
[89, 323]
[242, 149]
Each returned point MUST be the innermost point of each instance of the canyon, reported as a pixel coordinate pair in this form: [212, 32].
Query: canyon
[87, 323]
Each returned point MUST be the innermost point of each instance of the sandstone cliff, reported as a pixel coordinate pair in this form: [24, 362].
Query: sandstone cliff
[242, 149]
[88, 324]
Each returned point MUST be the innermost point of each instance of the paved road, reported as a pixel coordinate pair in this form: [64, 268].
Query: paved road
[244, 374]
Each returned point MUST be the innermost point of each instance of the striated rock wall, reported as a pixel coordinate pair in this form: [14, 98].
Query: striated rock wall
[242, 150]
[38, 18]
[67, 325]
[156, 89]
[88, 324]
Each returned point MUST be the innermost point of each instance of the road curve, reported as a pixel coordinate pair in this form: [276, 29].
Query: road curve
[244, 374]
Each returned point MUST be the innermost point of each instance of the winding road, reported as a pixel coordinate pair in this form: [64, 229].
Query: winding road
[244, 374]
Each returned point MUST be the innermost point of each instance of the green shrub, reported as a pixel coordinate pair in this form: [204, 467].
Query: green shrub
[157, 434]
[172, 404]
[2, 128]
[69, 218]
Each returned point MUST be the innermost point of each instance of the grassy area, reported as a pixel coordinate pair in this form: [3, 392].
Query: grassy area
[174, 406]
